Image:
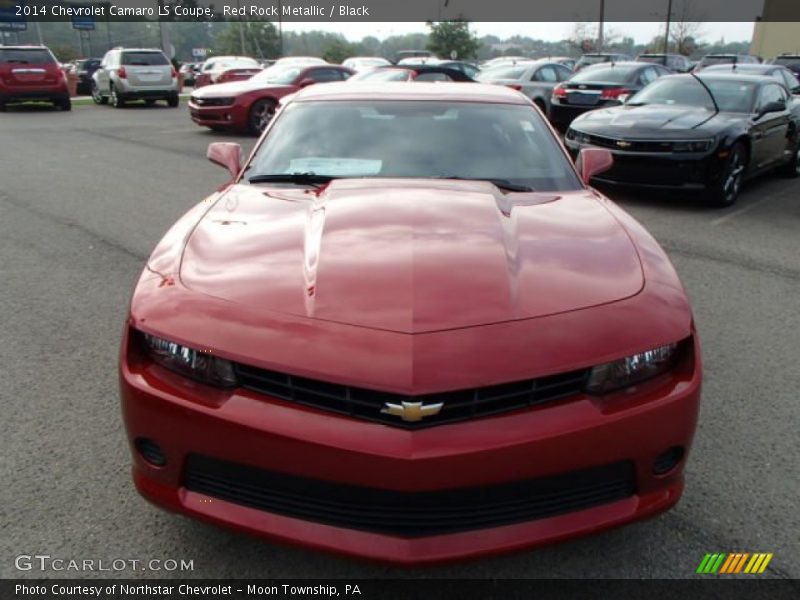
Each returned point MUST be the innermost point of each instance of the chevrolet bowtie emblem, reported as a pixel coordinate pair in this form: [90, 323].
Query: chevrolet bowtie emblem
[411, 411]
[623, 144]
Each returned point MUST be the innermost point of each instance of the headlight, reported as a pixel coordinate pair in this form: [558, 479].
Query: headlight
[196, 364]
[632, 369]
[693, 146]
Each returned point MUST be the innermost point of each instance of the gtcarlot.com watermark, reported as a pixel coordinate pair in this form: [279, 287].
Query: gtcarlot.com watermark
[45, 562]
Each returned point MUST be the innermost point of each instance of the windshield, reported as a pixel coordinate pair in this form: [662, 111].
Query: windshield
[653, 58]
[419, 139]
[238, 63]
[716, 60]
[506, 72]
[731, 95]
[25, 56]
[603, 74]
[279, 75]
[144, 59]
[382, 75]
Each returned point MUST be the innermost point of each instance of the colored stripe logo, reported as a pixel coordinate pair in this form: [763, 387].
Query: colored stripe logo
[734, 563]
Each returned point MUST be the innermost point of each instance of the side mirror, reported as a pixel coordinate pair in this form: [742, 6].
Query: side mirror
[306, 82]
[226, 154]
[593, 161]
[771, 107]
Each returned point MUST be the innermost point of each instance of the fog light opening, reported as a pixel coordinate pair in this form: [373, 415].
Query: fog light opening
[668, 460]
[150, 452]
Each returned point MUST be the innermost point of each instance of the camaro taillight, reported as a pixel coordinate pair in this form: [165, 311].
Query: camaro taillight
[122, 73]
[559, 91]
[614, 93]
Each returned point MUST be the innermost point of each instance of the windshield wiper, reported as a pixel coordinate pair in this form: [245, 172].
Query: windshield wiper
[308, 178]
[503, 184]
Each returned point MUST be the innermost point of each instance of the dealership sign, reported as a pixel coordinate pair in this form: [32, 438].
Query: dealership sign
[84, 21]
[12, 17]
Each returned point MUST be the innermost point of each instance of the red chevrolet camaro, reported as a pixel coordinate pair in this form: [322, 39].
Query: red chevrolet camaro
[249, 105]
[408, 331]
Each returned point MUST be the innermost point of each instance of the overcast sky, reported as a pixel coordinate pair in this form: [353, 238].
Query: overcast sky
[641, 32]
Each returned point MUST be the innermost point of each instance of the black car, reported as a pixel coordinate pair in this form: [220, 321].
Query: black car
[598, 86]
[705, 133]
[726, 59]
[779, 72]
[790, 61]
[84, 69]
[468, 69]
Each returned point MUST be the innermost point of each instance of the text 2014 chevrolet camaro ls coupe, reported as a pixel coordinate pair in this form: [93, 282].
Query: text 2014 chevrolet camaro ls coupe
[408, 331]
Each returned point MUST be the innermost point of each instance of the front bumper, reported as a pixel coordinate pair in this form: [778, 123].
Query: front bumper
[232, 116]
[687, 172]
[188, 419]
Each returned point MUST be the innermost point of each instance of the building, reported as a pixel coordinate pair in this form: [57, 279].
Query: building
[775, 33]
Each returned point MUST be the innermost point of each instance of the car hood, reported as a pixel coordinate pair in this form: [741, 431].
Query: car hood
[410, 255]
[233, 88]
[636, 120]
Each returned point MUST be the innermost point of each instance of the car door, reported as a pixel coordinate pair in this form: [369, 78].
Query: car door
[771, 129]
[538, 83]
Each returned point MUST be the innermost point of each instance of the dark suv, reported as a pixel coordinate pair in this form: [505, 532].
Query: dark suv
[790, 61]
[31, 73]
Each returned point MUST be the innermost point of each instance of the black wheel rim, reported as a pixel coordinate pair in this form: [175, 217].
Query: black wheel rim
[262, 115]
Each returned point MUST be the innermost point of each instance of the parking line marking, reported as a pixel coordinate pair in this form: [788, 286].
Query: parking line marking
[738, 213]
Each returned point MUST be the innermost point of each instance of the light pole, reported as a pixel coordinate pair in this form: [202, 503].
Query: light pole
[666, 32]
[241, 28]
[600, 27]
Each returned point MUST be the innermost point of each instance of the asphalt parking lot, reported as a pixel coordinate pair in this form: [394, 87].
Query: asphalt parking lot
[85, 195]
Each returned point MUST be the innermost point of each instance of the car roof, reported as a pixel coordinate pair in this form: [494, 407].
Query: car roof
[445, 91]
[619, 63]
[730, 75]
[734, 67]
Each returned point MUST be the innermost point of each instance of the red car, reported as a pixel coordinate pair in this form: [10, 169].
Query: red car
[408, 331]
[31, 73]
[250, 105]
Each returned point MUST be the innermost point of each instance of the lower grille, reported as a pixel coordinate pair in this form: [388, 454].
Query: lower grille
[368, 404]
[409, 514]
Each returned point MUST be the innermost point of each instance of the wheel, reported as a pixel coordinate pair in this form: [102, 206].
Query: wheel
[730, 182]
[173, 101]
[64, 104]
[116, 100]
[540, 104]
[792, 168]
[97, 96]
[2, 107]
[261, 114]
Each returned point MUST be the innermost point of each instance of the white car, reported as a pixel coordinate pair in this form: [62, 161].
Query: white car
[214, 67]
[363, 63]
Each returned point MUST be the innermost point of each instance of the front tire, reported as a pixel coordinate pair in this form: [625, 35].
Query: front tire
[792, 168]
[727, 189]
[64, 104]
[97, 97]
[260, 115]
[173, 101]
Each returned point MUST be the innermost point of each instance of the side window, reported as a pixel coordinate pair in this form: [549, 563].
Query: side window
[563, 73]
[324, 75]
[545, 74]
[648, 75]
[790, 80]
[771, 93]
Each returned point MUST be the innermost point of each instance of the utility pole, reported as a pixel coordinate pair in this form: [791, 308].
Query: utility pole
[241, 28]
[666, 32]
[600, 40]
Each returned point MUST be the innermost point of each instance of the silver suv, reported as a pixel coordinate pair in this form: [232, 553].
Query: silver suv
[135, 74]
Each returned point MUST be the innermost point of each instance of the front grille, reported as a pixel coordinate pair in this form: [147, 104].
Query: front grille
[213, 101]
[627, 145]
[367, 404]
[409, 514]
